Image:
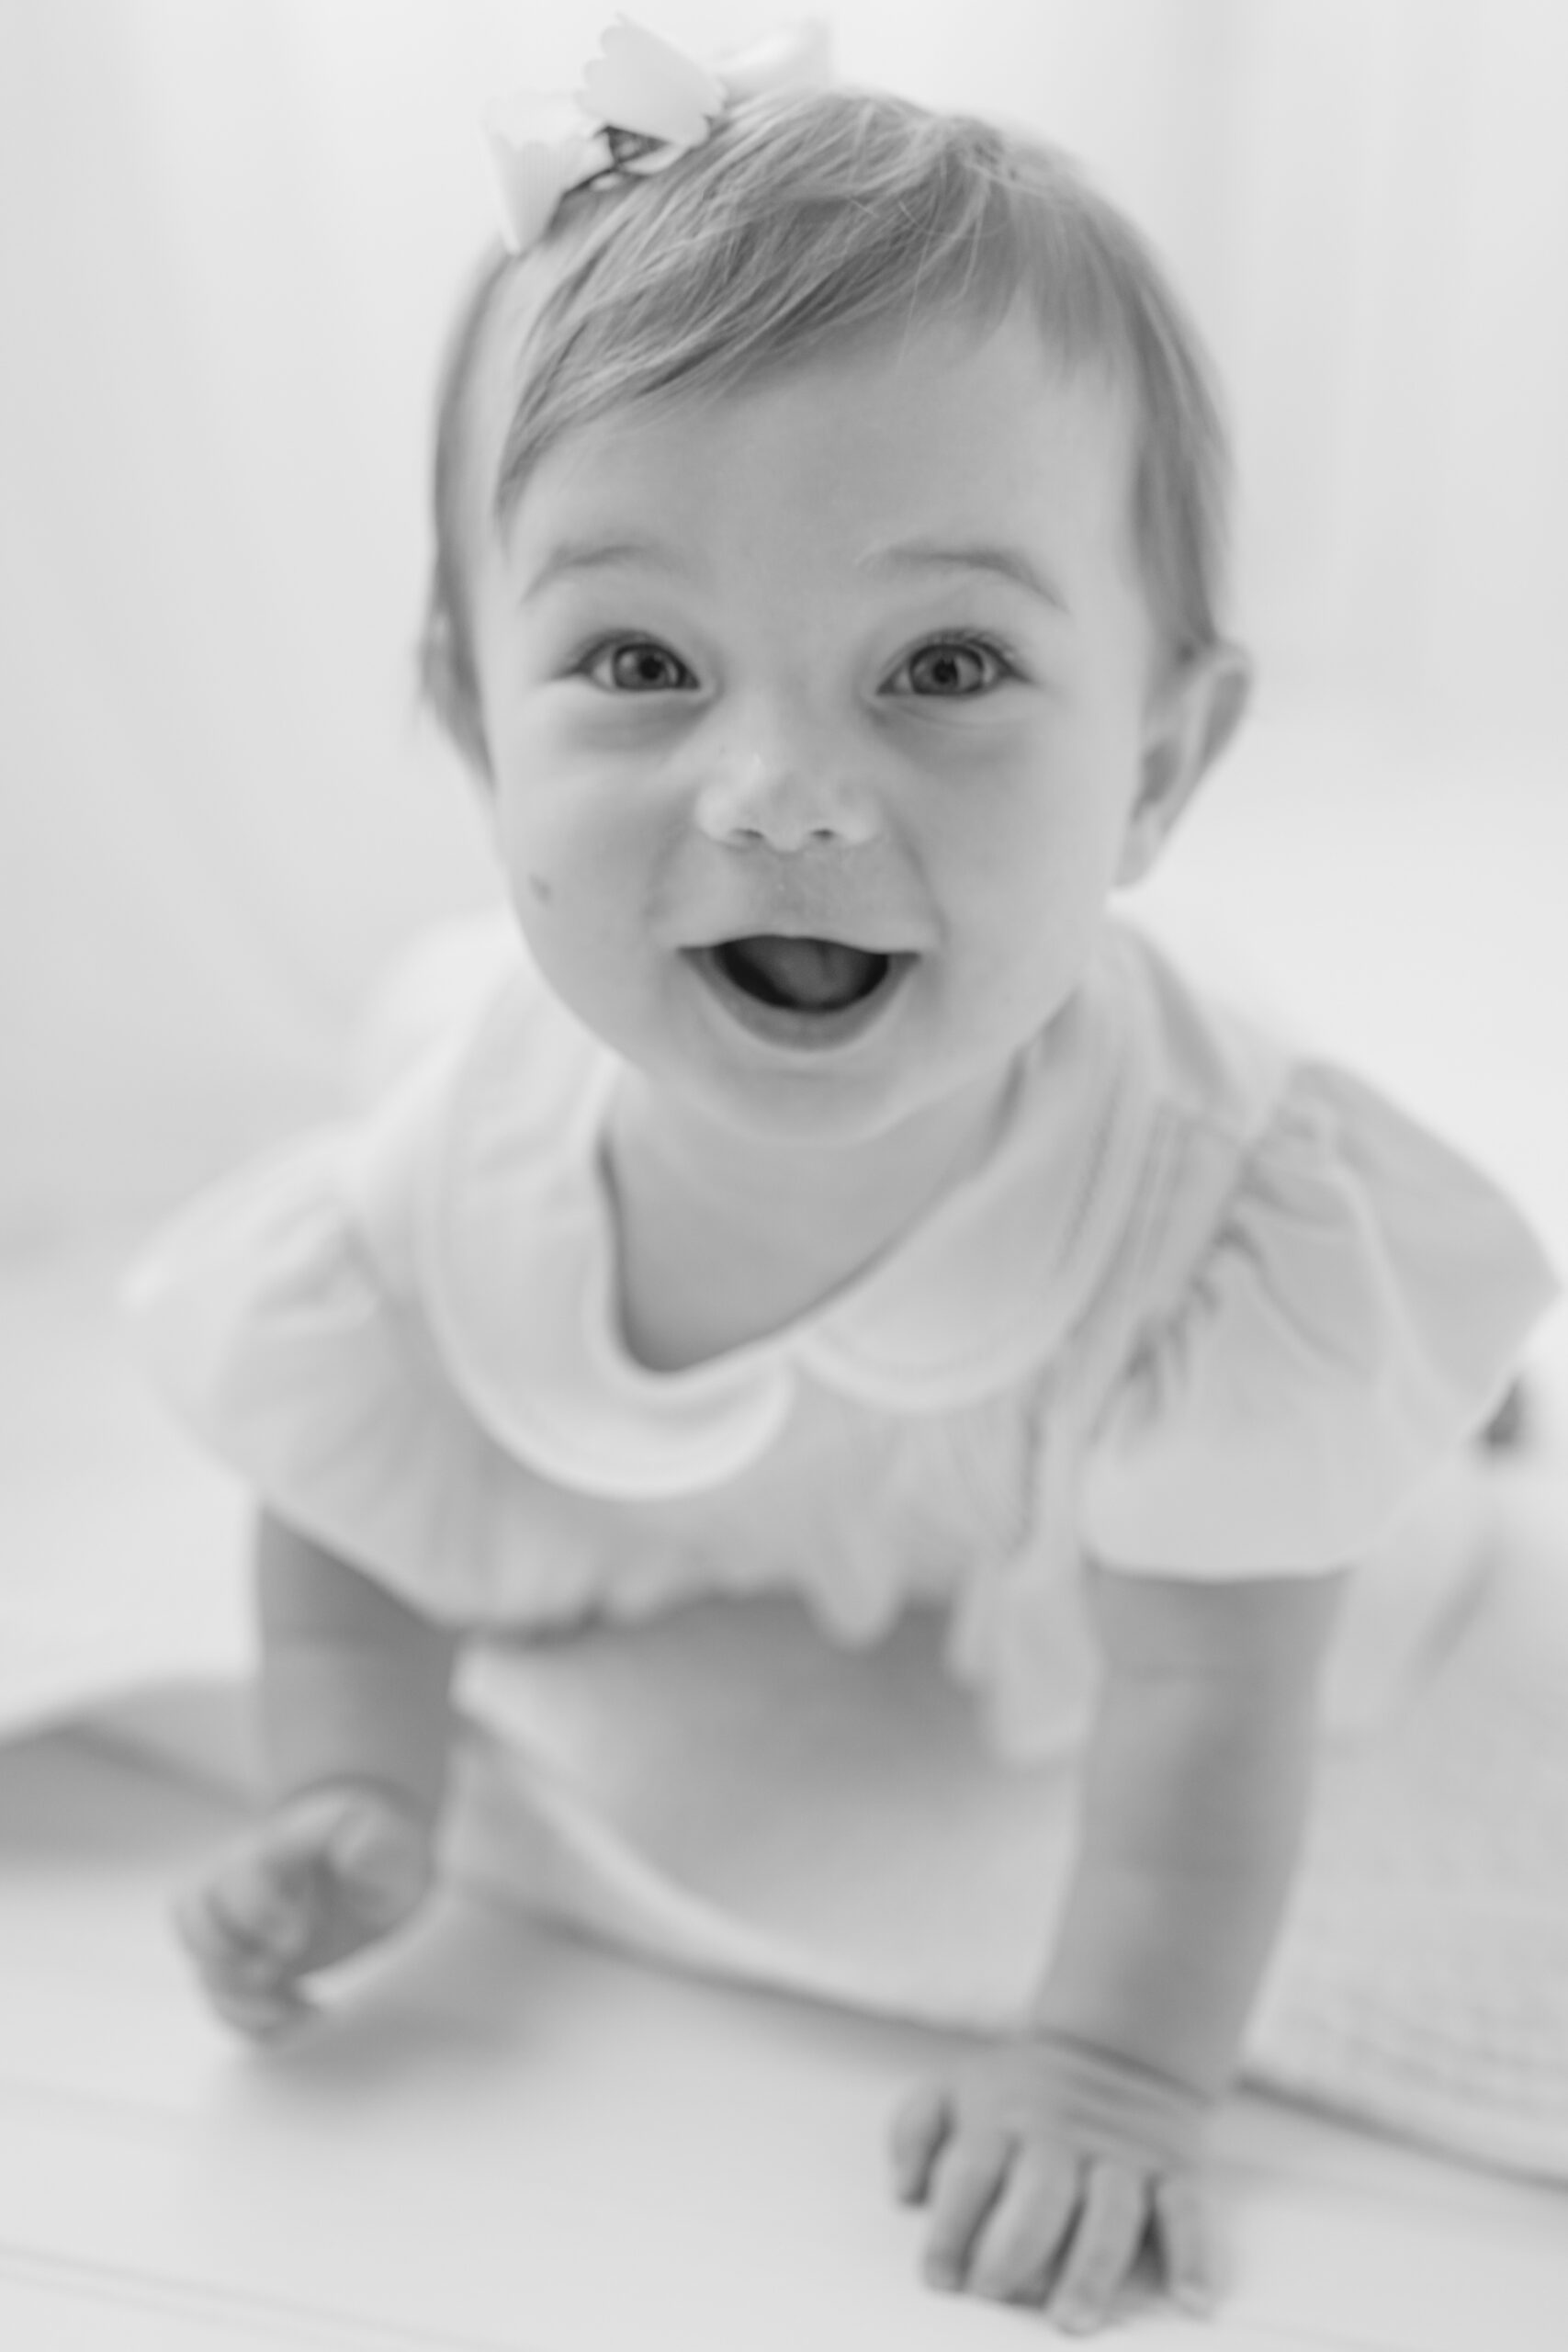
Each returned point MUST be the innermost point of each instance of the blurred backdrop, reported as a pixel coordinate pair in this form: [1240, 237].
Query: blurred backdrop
[230, 236]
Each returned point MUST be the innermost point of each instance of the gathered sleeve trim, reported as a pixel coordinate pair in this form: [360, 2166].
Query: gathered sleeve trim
[1357, 1317]
[267, 1326]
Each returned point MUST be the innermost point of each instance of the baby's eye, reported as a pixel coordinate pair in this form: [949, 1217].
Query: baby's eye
[637, 666]
[955, 666]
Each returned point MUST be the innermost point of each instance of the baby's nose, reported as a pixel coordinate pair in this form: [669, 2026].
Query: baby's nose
[784, 798]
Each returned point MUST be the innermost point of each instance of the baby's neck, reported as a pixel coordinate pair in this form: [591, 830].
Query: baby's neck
[724, 1237]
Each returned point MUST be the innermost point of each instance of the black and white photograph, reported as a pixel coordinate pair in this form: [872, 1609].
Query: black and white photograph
[784, 1175]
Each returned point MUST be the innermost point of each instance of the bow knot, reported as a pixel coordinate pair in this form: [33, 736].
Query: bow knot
[642, 104]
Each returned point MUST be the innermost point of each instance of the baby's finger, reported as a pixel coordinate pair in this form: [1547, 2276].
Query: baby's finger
[264, 1906]
[382, 1857]
[1104, 2248]
[1181, 2225]
[262, 2013]
[196, 1924]
[249, 1988]
[1025, 2229]
[296, 1837]
[256, 1904]
[224, 1948]
[969, 2178]
[920, 2128]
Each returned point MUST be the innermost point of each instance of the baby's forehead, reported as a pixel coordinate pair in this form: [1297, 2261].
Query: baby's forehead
[1025, 403]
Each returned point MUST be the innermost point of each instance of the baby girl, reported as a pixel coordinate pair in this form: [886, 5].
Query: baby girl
[828, 1196]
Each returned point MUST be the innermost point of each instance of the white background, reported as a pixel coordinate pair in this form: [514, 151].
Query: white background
[231, 233]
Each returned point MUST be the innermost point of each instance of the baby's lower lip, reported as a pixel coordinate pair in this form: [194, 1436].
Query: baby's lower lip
[786, 1025]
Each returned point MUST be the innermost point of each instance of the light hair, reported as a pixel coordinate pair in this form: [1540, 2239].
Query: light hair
[806, 222]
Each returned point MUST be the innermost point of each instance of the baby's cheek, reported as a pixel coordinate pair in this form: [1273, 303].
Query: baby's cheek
[583, 882]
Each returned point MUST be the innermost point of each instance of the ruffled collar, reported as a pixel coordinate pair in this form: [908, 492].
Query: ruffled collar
[515, 1240]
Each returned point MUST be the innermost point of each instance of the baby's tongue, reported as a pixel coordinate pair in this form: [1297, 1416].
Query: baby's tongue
[817, 975]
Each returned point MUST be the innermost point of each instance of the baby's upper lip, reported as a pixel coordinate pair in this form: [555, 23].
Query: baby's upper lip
[870, 937]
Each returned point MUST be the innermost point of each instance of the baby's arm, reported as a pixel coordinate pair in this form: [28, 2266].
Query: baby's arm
[355, 1718]
[1046, 2159]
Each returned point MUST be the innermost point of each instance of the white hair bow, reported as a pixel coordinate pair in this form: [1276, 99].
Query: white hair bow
[641, 105]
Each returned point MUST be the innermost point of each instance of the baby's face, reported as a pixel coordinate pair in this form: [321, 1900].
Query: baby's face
[819, 716]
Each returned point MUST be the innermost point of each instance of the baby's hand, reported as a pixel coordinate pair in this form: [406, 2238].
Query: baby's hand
[1046, 2163]
[330, 1871]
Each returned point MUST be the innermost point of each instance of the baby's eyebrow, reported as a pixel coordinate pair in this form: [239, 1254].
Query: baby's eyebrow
[1002, 561]
[568, 556]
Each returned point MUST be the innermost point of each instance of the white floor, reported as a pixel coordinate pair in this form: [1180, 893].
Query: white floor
[510, 2141]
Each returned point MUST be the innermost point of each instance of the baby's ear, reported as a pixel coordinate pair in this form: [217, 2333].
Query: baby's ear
[1193, 716]
[451, 693]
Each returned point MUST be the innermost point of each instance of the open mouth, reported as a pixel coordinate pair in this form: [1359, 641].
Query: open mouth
[801, 993]
[802, 975]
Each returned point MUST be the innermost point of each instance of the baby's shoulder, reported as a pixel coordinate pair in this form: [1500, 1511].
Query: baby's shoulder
[1330, 1298]
[1274, 1167]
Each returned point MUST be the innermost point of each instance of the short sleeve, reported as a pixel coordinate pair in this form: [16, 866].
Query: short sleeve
[1357, 1316]
[262, 1318]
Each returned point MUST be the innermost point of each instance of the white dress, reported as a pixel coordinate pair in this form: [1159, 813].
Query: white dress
[781, 1661]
